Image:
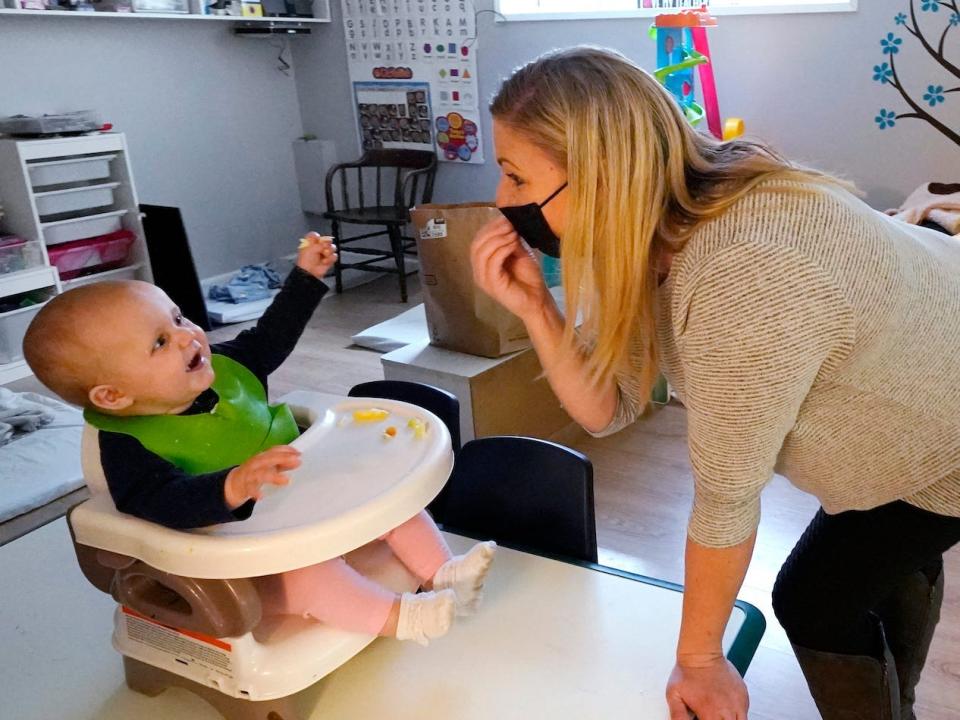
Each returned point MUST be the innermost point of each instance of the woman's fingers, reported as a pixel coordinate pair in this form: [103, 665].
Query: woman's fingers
[678, 709]
[499, 228]
[487, 253]
[498, 259]
[492, 272]
[482, 248]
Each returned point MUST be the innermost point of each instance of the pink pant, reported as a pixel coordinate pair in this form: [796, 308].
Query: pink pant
[334, 593]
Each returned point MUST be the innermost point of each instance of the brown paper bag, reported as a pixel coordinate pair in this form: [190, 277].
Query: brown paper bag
[460, 316]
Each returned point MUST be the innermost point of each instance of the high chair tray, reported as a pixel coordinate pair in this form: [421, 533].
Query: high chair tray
[355, 483]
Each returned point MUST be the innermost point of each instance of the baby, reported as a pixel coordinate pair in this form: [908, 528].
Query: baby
[187, 438]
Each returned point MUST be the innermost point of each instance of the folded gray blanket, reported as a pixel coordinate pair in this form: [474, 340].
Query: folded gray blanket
[22, 413]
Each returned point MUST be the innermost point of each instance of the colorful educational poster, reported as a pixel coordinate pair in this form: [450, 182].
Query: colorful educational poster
[412, 61]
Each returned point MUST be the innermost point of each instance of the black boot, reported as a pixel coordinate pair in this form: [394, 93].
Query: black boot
[851, 687]
[909, 618]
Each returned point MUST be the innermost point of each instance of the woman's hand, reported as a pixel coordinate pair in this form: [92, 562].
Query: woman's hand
[505, 269]
[710, 688]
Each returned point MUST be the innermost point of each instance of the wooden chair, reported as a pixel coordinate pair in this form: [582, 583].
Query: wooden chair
[378, 190]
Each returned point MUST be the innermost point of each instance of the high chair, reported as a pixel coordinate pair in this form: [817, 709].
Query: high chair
[189, 613]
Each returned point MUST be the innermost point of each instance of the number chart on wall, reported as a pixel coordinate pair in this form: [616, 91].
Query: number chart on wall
[413, 67]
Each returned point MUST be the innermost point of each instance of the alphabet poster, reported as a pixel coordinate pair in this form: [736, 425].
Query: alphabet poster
[413, 67]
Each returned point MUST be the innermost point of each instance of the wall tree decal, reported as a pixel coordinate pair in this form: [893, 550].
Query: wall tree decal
[933, 94]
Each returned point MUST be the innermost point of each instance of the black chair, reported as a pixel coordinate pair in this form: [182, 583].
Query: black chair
[379, 189]
[523, 492]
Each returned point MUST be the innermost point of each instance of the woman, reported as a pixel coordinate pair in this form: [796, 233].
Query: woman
[801, 329]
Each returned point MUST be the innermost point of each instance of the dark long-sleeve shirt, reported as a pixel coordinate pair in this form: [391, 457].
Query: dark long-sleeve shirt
[145, 485]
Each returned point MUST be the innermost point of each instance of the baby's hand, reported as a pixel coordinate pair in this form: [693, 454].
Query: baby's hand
[244, 481]
[317, 254]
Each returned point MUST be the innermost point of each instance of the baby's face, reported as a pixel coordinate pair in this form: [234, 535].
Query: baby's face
[151, 354]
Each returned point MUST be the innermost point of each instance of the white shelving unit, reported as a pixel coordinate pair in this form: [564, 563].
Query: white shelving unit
[55, 191]
[321, 12]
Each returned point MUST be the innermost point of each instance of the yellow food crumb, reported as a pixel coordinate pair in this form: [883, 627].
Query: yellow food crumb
[370, 416]
[418, 426]
[304, 242]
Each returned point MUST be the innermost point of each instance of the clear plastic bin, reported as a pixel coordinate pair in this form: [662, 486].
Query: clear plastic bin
[71, 122]
[17, 254]
[81, 228]
[13, 326]
[69, 170]
[92, 255]
[56, 202]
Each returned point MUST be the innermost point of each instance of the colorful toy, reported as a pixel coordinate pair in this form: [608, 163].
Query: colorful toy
[682, 46]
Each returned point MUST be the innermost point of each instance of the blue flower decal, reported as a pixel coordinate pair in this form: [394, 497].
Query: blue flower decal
[934, 95]
[886, 118]
[930, 6]
[882, 73]
[955, 19]
[891, 44]
[900, 19]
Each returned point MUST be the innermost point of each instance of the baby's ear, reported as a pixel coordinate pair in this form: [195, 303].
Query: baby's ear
[109, 398]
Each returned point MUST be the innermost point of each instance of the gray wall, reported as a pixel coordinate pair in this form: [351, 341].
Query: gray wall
[802, 82]
[208, 117]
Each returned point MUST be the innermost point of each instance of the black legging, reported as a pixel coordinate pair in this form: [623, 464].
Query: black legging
[844, 566]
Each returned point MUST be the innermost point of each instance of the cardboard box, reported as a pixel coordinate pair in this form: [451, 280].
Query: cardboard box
[498, 396]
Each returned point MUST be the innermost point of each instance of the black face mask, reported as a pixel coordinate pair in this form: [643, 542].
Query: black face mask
[531, 225]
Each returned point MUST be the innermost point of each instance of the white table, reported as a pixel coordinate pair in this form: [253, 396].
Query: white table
[553, 640]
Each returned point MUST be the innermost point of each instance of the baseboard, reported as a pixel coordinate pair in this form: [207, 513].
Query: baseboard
[351, 278]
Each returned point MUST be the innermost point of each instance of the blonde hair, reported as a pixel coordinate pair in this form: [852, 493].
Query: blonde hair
[56, 345]
[640, 181]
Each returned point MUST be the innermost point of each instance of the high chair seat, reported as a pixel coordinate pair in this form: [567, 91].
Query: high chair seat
[279, 656]
[189, 607]
[354, 484]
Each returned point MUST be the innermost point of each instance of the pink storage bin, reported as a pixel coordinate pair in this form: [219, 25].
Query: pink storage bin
[81, 257]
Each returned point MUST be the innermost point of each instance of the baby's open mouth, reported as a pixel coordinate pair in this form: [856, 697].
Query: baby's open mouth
[196, 362]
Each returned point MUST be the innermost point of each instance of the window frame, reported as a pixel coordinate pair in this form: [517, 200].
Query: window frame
[744, 7]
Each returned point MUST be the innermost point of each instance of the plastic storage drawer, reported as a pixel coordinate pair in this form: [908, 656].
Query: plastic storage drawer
[13, 326]
[69, 170]
[75, 199]
[82, 228]
[128, 272]
[99, 253]
[17, 254]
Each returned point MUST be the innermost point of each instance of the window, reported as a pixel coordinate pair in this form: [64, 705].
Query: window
[583, 9]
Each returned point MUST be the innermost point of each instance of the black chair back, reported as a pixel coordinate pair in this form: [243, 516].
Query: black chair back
[382, 178]
[523, 492]
[440, 402]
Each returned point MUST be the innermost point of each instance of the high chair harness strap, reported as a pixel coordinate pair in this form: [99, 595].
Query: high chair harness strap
[241, 425]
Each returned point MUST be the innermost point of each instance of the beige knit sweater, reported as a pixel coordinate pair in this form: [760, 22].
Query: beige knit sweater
[810, 335]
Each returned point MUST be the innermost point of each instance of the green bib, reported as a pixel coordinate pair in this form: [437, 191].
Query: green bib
[241, 424]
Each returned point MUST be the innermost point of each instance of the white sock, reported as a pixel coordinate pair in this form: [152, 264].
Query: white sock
[465, 574]
[425, 616]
